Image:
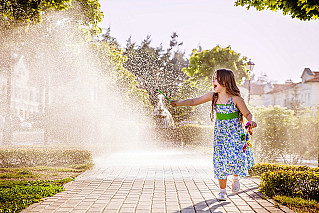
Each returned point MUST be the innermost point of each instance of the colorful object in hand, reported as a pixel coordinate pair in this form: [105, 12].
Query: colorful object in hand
[165, 96]
[246, 136]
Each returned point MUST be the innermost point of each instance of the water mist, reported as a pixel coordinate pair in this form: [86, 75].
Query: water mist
[85, 107]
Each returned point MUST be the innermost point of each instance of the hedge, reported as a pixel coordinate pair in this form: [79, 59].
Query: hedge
[291, 183]
[259, 168]
[35, 156]
[189, 134]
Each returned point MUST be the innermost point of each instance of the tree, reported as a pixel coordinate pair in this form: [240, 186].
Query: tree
[156, 68]
[20, 13]
[202, 65]
[300, 9]
[111, 62]
[17, 15]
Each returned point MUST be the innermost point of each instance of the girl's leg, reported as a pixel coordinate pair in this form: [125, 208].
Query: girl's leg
[235, 177]
[236, 184]
[222, 190]
[222, 183]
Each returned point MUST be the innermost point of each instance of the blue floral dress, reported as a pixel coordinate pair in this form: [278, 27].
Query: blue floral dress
[229, 157]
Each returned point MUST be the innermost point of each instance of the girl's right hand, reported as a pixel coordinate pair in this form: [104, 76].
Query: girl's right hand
[174, 103]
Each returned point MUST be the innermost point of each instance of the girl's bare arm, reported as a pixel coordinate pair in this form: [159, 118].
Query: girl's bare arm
[240, 103]
[194, 101]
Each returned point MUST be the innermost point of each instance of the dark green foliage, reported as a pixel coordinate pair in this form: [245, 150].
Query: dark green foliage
[17, 195]
[291, 185]
[15, 13]
[23, 157]
[260, 168]
[300, 9]
[303, 184]
[29, 10]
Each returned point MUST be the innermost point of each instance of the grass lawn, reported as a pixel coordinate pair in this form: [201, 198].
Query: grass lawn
[20, 187]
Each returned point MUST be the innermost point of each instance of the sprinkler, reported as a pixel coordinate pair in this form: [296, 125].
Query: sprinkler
[164, 95]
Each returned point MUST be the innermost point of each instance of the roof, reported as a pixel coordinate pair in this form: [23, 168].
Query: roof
[255, 89]
[281, 87]
[310, 72]
[315, 79]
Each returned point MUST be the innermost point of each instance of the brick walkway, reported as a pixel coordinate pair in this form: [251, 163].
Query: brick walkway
[154, 182]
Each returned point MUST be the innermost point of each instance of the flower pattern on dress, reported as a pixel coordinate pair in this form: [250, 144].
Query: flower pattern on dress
[228, 155]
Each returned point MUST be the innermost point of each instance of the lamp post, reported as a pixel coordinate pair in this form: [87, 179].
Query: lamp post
[249, 67]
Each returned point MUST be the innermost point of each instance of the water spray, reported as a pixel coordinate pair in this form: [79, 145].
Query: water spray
[164, 95]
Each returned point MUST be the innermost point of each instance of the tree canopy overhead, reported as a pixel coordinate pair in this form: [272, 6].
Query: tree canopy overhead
[304, 10]
[31, 11]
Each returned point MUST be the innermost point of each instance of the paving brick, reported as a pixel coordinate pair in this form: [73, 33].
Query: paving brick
[171, 188]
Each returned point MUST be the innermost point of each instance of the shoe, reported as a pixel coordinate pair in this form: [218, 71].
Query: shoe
[221, 197]
[235, 186]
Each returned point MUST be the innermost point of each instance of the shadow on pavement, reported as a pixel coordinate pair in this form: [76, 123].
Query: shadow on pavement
[213, 205]
[205, 206]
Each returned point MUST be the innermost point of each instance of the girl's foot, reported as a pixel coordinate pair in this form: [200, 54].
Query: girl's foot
[221, 196]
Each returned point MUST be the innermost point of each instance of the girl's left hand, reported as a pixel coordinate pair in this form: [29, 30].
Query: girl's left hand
[253, 124]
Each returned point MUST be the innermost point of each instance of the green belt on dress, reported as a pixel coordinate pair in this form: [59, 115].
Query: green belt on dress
[226, 116]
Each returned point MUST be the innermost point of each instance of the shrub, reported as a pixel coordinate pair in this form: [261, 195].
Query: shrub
[291, 183]
[282, 134]
[189, 134]
[195, 134]
[23, 157]
[259, 168]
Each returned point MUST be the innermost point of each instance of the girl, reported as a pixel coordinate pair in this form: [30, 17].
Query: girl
[228, 157]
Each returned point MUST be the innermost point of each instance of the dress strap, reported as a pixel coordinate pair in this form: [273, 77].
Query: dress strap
[229, 100]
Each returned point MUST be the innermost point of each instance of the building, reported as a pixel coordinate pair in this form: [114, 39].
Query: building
[25, 98]
[291, 95]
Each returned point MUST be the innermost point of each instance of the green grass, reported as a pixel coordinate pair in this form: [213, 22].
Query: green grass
[298, 204]
[17, 195]
[21, 187]
[18, 175]
[28, 175]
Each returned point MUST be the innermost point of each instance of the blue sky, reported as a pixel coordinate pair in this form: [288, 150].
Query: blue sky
[280, 46]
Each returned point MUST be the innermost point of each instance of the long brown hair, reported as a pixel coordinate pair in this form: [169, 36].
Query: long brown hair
[226, 78]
